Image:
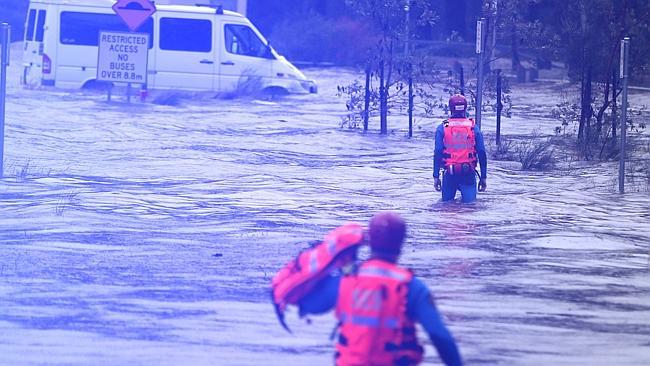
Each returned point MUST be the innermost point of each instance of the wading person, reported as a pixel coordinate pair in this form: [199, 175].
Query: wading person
[459, 146]
[377, 303]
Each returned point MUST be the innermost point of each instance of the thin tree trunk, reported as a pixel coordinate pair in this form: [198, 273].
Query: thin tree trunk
[583, 102]
[493, 55]
[588, 113]
[601, 111]
[614, 105]
[366, 107]
[581, 126]
[382, 98]
[389, 76]
[515, 49]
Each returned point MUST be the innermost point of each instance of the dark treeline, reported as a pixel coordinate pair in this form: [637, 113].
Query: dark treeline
[14, 12]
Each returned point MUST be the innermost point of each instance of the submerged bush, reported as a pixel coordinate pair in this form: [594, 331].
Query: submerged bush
[535, 154]
[169, 98]
[505, 151]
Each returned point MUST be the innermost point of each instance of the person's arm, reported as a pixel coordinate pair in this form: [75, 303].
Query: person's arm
[481, 153]
[437, 152]
[322, 298]
[423, 309]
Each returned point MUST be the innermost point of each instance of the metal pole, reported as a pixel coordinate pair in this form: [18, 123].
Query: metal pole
[480, 47]
[410, 105]
[128, 93]
[5, 39]
[462, 80]
[499, 107]
[410, 66]
[366, 108]
[625, 53]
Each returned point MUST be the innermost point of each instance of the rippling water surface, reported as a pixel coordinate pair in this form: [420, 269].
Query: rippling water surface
[147, 235]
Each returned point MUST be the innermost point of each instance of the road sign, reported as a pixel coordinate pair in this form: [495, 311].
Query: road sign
[134, 12]
[123, 57]
[479, 35]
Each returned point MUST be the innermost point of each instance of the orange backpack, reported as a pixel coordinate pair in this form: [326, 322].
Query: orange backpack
[298, 277]
[459, 153]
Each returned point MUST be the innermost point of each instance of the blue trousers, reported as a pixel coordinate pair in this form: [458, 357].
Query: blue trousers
[465, 183]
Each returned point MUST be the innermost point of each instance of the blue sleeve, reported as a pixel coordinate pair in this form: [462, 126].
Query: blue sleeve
[322, 298]
[480, 152]
[422, 308]
[437, 152]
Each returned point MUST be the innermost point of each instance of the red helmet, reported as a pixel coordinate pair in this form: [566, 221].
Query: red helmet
[387, 231]
[458, 105]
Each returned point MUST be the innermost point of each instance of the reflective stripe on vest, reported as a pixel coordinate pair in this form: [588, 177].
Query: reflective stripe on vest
[369, 321]
[382, 272]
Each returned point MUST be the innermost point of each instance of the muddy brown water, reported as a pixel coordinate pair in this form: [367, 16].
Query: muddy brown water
[144, 234]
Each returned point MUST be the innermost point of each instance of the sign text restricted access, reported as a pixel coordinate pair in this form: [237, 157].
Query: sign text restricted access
[123, 57]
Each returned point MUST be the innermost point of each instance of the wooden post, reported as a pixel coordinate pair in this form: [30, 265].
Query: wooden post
[462, 80]
[499, 107]
[366, 109]
[410, 103]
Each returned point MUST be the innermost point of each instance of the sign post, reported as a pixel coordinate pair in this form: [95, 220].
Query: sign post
[5, 41]
[624, 74]
[480, 47]
[123, 57]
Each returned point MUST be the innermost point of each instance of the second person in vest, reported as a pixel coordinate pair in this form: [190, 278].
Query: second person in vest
[459, 147]
[378, 304]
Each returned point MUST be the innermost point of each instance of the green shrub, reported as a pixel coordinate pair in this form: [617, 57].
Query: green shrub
[504, 152]
[169, 98]
[535, 154]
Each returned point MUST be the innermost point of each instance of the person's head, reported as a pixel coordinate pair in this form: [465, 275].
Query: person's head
[458, 106]
[386, 232]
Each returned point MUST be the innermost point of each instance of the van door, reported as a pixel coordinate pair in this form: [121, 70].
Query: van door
[185, 56]
[33, 45]
[245, 62]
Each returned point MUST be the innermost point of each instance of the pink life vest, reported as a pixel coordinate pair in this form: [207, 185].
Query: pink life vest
[459, 152]
[375, 329]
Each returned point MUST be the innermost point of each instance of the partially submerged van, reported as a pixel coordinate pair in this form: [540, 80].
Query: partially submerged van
[190, 47]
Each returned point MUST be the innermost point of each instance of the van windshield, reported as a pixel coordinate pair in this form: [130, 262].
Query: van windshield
[82, 29]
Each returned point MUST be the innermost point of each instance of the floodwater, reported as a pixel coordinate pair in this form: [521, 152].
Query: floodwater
[142, 234]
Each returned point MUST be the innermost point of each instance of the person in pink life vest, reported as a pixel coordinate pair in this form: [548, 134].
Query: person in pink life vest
[459, 147]
[377, 303]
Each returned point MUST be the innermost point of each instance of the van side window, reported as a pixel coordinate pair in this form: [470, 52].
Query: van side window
[82, 29]
[40, 24]
[29, 36]
[242, 40]
[191, 35]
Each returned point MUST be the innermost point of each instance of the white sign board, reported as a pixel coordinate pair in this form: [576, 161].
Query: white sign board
[625, 44]
[123, 57]
[479, 36]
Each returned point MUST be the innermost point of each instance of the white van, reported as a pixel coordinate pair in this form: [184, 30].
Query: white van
[190, 48]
